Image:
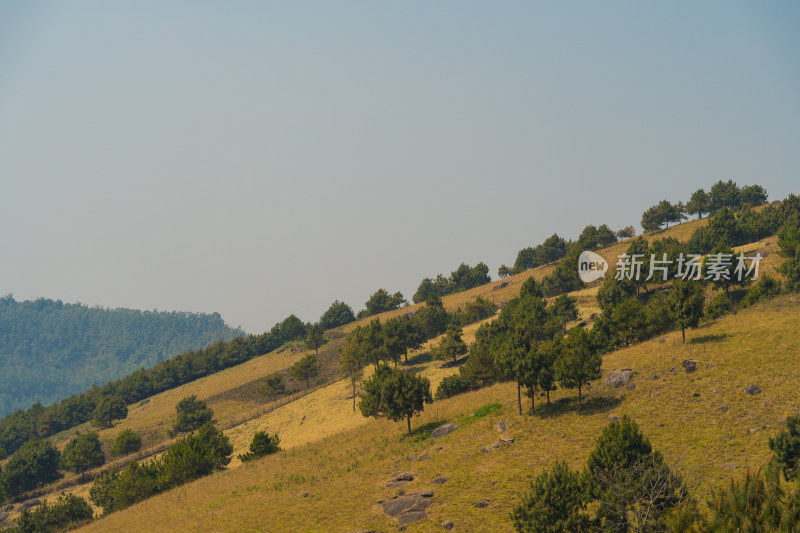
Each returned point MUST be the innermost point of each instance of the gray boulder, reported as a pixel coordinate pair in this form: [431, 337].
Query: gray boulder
[619, 378]
[689, 365]
[443, 430]
[752, 390]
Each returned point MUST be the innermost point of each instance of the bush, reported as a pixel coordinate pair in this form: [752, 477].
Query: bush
[786, 447]
[765, 288]
[194, 456]
[719, 306]
[35, 463]
[67, 511]
[83, 452]
[109, 409]
[192, 414]
[127, 442]
[273, 385]
[453, 385]
[263, 444]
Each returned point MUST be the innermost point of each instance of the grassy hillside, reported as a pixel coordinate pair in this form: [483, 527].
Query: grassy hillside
[334, 481]
[50, 350]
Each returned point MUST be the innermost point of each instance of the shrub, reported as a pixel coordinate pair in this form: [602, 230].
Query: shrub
[273, 385]
[83, 452]
[35, 463]
[127, 442]
[109, 409]
[67, 511]
[719, 306]
[786, 447]
[194, 456]
[453, 385]
[765, 288]
[192, 414]
[263, 444]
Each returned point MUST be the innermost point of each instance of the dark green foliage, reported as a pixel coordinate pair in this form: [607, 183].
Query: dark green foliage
[432, 319]
[65, 513]
[82, 453]
[756, 503]
[394, 394]
[686, 300]
[315, 337]
[191, 457]
[724, 195]
[451, 345]
[305, 369]
[564, 309]
[662, 214]
[382, 301]
[789, 242]
[352, 361]
[127, 442]
[556, 503]
[565, 277]
[292, 328]
[698, 204]
[263, 444]
[551, 250]
[273, 385]
[401, 334]
[192, 414]
[21, 425]
[628, 232]
[338, 314]
[474, 311]
[613, 291]
[786, 447]
[463, 278]
[50, 350]
[764, 289]
[620, 445]
[453, 385]
[109, 409]
[719, 306]
[194, 456]
[577, 363]
[35, 463]
[480, 367]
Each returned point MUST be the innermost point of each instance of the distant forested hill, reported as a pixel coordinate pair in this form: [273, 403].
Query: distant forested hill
[50, 350]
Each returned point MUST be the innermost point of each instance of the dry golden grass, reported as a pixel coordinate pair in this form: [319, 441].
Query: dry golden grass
[345, 472]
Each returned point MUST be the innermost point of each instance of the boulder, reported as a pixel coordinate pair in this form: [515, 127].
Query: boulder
[723, 408]
[689, 365]
[406, 476]
[752, 390]
[439, 480]
[27, 504]
[399, 505]
[501, 426]
[411, 516]
[443, 430]
[447, 525]
[482, 504]
[619, 378]
[695, 395]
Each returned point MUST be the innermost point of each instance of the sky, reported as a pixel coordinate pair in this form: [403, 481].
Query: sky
[259, 159]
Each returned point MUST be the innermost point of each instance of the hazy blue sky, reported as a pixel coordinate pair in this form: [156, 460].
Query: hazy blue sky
[261, 159]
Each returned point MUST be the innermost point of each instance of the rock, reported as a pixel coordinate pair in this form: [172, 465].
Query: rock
[411, 516]
[427, 494]
[613, 418]
[401, 528]
[439, 480]
[695, 395]
[501, 426]
[399, 505]
[723, 409]
[484, 450]
[752, 390]
[447, 525]
[631, 386]
[482, 504]
[710, 367]
[303, 495]
[439, 448]
[423, 456]
[506, 441]
[495, 445]
[619, 378]
[3, 516]
[689, 365]
[752, 430]
[27, 504]
[9, 507]
[672, 369]
[443, 430]
[655, 377]
[406, 476]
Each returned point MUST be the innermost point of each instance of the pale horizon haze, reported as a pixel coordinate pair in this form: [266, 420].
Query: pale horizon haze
[259, 159]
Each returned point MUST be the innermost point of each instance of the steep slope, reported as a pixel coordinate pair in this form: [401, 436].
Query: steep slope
[343, 475]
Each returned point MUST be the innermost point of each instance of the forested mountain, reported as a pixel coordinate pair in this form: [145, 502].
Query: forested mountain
[50, 350]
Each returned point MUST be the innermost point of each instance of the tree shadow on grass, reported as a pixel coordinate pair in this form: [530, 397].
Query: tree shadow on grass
[453, 364]
[703, 339]
[422, 432]
[591, 405]
[420, 358]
